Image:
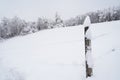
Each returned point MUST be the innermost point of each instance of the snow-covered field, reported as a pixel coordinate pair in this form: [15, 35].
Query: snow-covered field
[58, 54]
[106, 51]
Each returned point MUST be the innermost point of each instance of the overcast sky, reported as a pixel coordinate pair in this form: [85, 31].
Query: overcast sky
[32, 9]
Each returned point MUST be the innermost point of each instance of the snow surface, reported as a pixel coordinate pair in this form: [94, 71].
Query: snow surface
[22, 58]
[87, 21]
[106, 51]
[56, 54]
[88, 34]
[89, 59]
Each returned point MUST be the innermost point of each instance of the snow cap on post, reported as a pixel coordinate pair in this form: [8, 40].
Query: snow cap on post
[87, 22]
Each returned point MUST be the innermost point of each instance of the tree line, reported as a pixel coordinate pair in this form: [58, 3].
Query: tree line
[16, 26]
[10, 27]
[106, 15]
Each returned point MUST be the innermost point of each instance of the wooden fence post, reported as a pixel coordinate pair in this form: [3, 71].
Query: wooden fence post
[87, 23]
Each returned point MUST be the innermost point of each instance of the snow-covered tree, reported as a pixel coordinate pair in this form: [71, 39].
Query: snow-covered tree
[4, 28]
[42, 24]
[58, 21]
[11, 27]
[29, 28]
[16, 26]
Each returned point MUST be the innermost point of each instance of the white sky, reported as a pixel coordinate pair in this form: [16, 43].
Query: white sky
[32, 9]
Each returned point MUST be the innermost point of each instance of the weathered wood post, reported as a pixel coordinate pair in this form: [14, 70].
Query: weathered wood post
[88, 54]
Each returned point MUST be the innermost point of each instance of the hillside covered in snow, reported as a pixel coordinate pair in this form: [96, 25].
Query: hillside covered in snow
[106, 51]
[58, 54]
